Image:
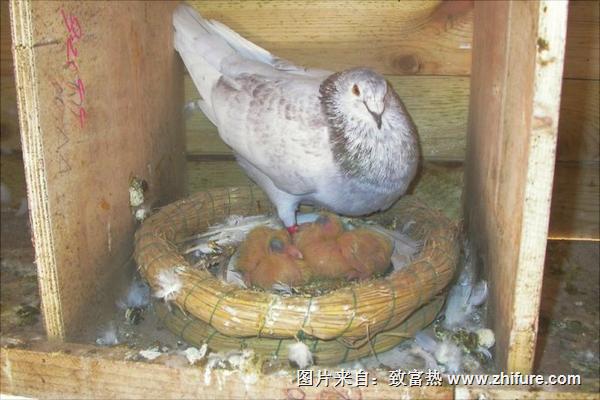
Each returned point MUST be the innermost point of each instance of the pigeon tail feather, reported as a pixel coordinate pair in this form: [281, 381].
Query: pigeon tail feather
[202, 52]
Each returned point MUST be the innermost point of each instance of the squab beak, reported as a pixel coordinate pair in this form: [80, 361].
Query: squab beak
[293, 251]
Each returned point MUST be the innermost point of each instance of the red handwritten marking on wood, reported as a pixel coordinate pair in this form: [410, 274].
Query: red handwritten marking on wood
[74, 34]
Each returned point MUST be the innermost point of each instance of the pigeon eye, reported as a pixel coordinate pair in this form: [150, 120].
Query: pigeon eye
[355, 90]
[276, 245]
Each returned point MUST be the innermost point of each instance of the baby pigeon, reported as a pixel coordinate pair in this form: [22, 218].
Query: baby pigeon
[332, 252]
[267, 256]
[343, 141]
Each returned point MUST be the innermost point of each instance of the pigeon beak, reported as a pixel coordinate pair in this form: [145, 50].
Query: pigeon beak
[294, 252]
[377, 118]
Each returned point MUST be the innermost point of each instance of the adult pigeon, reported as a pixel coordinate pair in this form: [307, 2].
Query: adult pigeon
[343, 140]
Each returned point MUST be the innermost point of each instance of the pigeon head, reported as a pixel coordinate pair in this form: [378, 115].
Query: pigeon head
[370, 130]
[279, 244]
[358, 93]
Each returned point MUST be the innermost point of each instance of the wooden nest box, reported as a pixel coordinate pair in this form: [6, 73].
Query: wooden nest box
[101, 98]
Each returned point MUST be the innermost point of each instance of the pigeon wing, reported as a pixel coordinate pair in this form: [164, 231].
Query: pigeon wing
[276, 125]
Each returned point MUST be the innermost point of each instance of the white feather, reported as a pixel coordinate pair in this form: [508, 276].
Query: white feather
[138, 295]
[169, 284]
[194, 355]
[299, 354]
[5, 194]
[232, 231]
[108, 337]
[450, 356]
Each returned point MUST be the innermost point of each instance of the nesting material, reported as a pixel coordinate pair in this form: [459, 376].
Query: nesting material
[300, 355]
[168, 284]
[457, 342]
[352, 315]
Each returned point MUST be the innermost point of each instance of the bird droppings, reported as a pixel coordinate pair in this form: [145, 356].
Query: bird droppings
[137, 187]
[542, 45]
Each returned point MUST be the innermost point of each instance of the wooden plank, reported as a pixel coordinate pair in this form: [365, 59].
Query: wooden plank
[576, 202]
[6, 64]
[395, 37]
[9, 119]
[579, 124]
[87, 128]
[210, 174]
[582, 54]
[81, 371]
[438, 106]
[518, 52]
[86, 372]
[429, 37]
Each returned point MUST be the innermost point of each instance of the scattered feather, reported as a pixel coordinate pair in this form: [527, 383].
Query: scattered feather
[466, 296]
[430, 361]
[151, 354]
[449, 355]
[191, 107]
[282, 288]
[479, 294]
[5, 194]
[406, 227]
[138, 296]
[169, 284]
[239, 359]
[108, 337]
[194, 355]
[142, 213]
[299, 354]
[233, 276]
[405, 248]
[23, 207]
[232, 231]
[426, 342]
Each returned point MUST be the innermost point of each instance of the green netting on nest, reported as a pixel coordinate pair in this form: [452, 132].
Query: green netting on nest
[197, 333]
[350, 315]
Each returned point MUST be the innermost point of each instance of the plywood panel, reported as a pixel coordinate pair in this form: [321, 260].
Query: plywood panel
[582, 57]
[576, 202]
[394, 37]
[82, 372]
[9, 120]
[99, 95]
[439, 106]
[579, 124]
[430, 37]
[518, 55]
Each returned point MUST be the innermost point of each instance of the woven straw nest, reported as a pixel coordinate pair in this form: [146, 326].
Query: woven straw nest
[345, 324]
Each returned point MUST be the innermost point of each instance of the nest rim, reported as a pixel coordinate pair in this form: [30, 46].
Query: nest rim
[246, 312]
